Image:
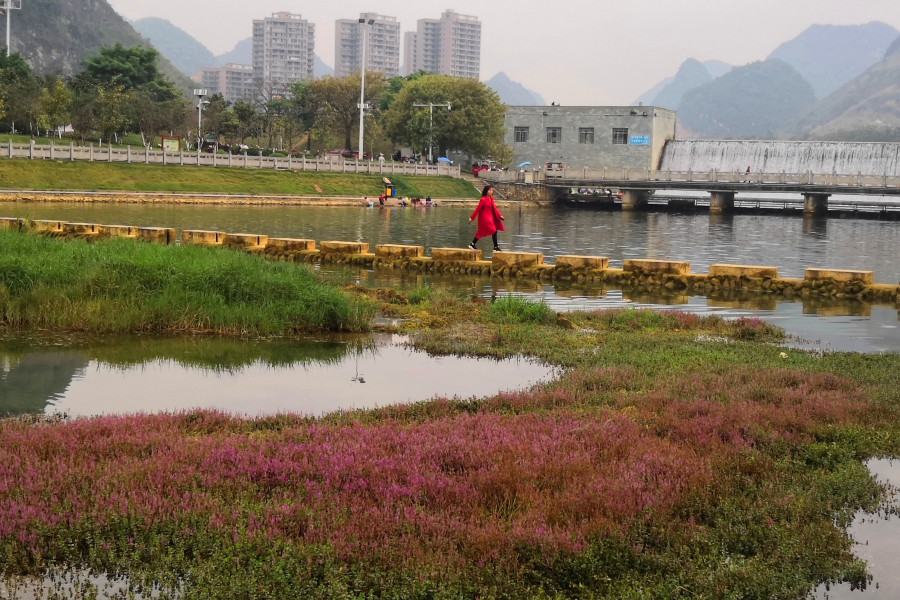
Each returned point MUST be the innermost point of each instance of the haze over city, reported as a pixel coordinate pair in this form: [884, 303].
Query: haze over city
[576, 52]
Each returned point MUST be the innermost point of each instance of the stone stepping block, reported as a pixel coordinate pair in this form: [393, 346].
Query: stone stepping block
[156, 235]
[291, 245]
[196, 237]
[658, 267]
[840, 275]
[509, 260]
[456, 254]
[582, 262]
[344, 248]
[241, 241]
[398, 251]
[749, 271]
[10, 223]
[47, 226]
[117, 231]
[81, 228]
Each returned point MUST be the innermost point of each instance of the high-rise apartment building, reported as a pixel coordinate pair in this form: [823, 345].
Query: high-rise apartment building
[450, 45]
[284, 49]
[383, 47]
[233, 81]
[409, 49]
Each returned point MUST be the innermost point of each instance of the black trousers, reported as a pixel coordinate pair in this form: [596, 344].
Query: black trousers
[493, 237]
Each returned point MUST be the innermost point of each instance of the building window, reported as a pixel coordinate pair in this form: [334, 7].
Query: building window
[620, 136]
[554, 135]
[586, 135]
[521, 135]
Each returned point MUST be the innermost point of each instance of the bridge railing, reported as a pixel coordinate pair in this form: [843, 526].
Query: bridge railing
[329, 164]
[616, 176]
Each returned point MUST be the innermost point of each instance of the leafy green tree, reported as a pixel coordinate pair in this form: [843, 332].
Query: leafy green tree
[304, 109]
[55, 102]
[20, 90]
[112, 108]
[247, 118]
[129, 67]
[337, 101]
[475, 125]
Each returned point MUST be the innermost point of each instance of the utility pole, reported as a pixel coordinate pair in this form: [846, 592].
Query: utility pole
[430, 106]
[201, 102]
[362, 92]
[7, 6]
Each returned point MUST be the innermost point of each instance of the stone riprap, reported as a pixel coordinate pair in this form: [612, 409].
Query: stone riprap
[724, 283]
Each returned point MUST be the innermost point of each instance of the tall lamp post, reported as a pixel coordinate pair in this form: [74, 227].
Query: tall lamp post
[431, 106]
[364, 25]
[7, 6]
[201, 102]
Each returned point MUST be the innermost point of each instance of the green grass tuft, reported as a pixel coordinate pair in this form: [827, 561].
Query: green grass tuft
[124, 286]
[513, 310]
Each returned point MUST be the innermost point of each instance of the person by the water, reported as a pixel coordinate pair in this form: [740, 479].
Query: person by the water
[490, 221]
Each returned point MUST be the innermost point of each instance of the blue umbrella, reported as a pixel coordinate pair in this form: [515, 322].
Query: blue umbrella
[442, 159]
[525, 164]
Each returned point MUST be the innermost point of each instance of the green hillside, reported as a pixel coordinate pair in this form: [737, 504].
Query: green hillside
[760, 100]
[55, 36]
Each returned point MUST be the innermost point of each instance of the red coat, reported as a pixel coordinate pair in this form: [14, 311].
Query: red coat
[490, 221]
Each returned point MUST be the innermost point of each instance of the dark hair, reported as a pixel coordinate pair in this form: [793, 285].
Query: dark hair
[487, 188]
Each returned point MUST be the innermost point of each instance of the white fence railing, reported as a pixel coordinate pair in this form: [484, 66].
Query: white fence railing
[327, 164]
[619, 175]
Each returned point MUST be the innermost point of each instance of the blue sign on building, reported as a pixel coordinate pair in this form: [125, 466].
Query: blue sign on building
[640, 140]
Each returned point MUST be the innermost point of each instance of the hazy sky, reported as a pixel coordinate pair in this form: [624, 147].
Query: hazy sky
[570, 51]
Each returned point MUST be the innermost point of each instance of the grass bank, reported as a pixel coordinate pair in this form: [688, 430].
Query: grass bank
[123, 286]
[82, 176]
[676, 457]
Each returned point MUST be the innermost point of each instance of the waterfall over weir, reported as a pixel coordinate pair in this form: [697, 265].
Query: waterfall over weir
[822, 158]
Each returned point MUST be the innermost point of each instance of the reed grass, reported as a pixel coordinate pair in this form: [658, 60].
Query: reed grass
[122, 286]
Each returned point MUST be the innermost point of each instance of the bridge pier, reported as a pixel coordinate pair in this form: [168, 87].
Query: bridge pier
[721, 202]
[815, 204]
[635, 199]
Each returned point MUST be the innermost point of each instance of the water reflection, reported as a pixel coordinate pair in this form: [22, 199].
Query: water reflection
[128, 375]
[877, 540]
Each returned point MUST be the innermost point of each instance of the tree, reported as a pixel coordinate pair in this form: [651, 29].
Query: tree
[129, 67]
[20, 90]
[475, 125]
[112, 108]
[247, 118]
[55, 102]
[337, 101]
[304, 109]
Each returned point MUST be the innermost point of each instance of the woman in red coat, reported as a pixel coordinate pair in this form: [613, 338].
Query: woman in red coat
[490, 221]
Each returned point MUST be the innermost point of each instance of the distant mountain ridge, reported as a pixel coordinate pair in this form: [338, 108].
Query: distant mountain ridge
[514, 93]
[177, 45]
[691, 75]
[828, 56]
[759, 100]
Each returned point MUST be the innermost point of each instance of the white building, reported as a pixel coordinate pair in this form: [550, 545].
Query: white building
[233, 81]
[382, 54]
[450, 45]
[284, 49]
[409, 52]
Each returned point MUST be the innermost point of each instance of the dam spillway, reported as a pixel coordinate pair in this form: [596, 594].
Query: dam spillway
[820, 158]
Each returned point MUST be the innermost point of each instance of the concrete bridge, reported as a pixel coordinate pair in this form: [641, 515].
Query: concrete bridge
[638, 187]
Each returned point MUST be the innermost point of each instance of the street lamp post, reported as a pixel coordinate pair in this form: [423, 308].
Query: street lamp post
[201, 102]
[7, 6]
[364, 25]
[430, 106]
